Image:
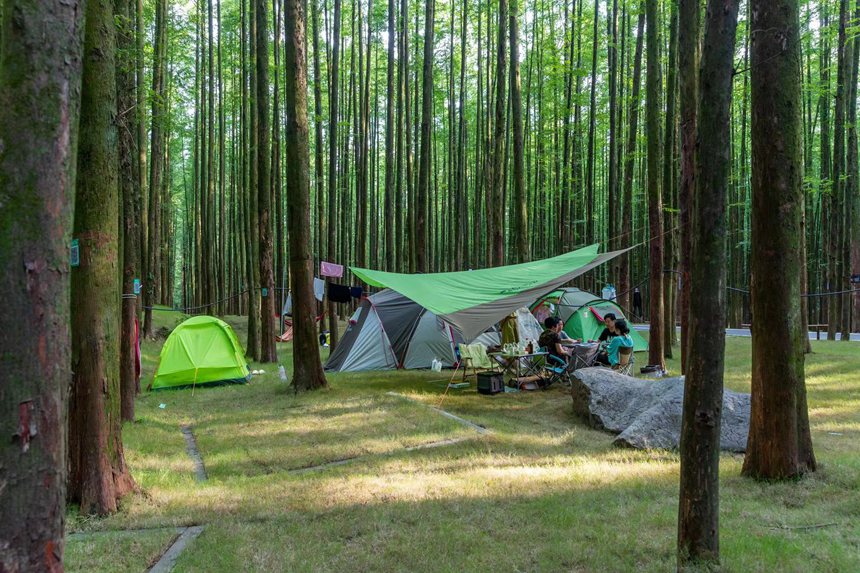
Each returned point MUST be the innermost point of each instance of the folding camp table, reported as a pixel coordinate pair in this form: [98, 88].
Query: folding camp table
[519, 366]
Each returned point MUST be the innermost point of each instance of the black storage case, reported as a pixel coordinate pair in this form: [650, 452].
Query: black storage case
[490, 383]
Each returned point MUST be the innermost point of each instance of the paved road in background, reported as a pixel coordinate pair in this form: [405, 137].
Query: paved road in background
[745, 332]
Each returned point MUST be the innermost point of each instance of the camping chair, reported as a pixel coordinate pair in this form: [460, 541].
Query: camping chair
[625, 361]
[474, 356]
[555, 369]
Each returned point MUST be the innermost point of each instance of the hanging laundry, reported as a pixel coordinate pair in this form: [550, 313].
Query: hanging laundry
[319, 289]
[288, 305]
[338, 293]
[333, 270]
[356, 292]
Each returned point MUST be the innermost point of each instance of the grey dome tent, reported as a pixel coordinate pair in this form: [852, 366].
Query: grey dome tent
[390, 331]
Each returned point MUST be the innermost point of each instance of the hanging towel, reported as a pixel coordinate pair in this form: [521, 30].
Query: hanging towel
[288, 305]
[319, 289]
[356, 292]
[330, 270]
[338, 293]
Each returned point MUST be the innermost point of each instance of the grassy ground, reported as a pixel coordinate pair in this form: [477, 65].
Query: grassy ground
[541, 492]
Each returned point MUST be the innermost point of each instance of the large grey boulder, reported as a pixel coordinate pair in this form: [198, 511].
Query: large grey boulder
[646, 413]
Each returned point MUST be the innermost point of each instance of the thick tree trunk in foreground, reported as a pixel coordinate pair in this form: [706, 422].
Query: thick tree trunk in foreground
[40, 76]
[655, 203]
[126, 98]
[423, 191]
[688, 70]
[98, 476]
[699, 503]
[307, 368]
[779, 443]
[268, 352]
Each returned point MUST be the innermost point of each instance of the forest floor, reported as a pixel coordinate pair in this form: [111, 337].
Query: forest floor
[539, 492]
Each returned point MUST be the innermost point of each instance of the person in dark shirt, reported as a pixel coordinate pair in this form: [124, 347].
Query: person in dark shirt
[551, 340]
[608, 332]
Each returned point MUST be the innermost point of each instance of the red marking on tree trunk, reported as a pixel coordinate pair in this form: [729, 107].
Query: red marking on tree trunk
[52, 559]
[26, 426]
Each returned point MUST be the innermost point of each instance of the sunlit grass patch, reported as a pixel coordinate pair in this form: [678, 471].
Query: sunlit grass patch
[117, 551]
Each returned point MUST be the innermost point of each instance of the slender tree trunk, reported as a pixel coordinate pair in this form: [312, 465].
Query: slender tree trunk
[655, 205]
[268, 351]
[390, 122]
[255, 342]
[779, 444]
[624, 283]
[159, 92]
[142, 173]
[496, 181]
[332, 161]
[834, 267]
[520, 222]
[590, 214]
[851, 196]
[98, 476]
[825, 185]
[307, 368]
[669, 145]
[688, 66]
[854, 195]
[423, 190]
[129, 189]
[464, 253]
[39, 104]
[698, 508]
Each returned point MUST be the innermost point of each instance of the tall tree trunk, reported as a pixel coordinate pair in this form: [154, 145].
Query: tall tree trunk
[854, 194]
[592, 122]
[159, 91]
[392, 96]
[834, 267]
[496, 166]
[129, 189]
[142, 173]
[464, 254]
[825, 184]
[38, 124]
[688, 69]
[669, 145]
[211, 239]
[332, 162]
[698, 508]
[319, 181]
[307, 368]
[520, 222]
[851, 195]
[254, 349]
[98, 476]
[655, 204]
[624, 282]
[268, 352]
[423, 190]
[779, 444]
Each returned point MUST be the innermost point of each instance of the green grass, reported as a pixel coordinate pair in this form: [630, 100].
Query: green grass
[542, 492]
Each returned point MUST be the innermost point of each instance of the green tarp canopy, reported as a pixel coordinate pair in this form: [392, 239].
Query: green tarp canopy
[203, 350]
[471, 301]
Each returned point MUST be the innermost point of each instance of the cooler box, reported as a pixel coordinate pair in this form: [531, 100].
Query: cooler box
[490, 382]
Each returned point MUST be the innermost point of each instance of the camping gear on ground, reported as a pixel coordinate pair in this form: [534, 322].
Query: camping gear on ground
[525, 370]
[470, 301]
[473, 356]
[325, 338]
[582, 313]
[282, 372]
[203, 350]
[490, 382]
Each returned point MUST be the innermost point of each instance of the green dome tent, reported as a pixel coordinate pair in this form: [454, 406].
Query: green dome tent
[203, 350]
[582, 313]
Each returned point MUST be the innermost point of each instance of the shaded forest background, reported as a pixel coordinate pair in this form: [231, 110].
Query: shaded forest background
[570, 170]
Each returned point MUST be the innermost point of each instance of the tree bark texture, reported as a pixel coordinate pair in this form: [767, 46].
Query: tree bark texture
[779, 445]
[655, 203]
[423, 191]
[40, 79]
[307, 368]
[98, 476]
[698, 507]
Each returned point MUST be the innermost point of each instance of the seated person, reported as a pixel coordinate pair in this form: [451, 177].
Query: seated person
[565, 337]
[621, 339]
[608, 332]
[551, 340]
